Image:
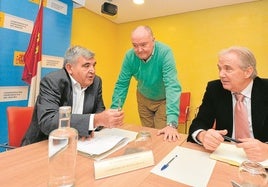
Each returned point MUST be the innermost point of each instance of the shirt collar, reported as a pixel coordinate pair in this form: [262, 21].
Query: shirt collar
[76, 84]
[247, 91]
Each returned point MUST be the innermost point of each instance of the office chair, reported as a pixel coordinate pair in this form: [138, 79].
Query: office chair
[184, 109]
[18, 119]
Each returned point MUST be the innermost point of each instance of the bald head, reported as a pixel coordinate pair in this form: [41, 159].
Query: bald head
[142, 31]
[143, 42]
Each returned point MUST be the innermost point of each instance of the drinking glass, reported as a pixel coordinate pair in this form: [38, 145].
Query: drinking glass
[252, 174]
[143, 140]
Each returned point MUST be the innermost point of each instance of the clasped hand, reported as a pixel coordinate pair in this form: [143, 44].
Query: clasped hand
[109, 118]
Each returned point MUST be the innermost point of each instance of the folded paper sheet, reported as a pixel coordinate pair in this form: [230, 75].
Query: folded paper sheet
[124, 163]
[190, 167]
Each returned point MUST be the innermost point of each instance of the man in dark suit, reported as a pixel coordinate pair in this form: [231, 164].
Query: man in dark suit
[237, 72]
[75, 85]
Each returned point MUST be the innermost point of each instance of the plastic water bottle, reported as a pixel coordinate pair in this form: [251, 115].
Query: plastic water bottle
[62, 151]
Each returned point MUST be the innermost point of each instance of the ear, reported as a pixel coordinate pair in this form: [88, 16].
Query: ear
[68, 67]
[248, 72]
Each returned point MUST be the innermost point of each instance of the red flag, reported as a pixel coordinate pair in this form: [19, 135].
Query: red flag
[34, 52]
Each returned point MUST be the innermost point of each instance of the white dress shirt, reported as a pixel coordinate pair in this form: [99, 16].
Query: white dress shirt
[78, 101]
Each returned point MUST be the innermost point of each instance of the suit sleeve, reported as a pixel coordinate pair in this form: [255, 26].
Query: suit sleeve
[206, 114]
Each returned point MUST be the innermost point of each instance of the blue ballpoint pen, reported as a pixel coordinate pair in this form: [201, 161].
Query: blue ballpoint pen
[167, 164]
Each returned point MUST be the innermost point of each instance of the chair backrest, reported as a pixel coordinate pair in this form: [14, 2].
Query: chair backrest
[18, 119]
[184, 106]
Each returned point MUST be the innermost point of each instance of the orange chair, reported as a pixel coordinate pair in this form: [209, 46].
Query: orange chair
[18, 119]
[184, 109]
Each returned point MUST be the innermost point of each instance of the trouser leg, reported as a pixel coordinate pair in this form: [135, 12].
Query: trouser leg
[160, 118]
[152, 113]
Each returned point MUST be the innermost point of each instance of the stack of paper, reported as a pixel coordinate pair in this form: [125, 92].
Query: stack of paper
[105, 142]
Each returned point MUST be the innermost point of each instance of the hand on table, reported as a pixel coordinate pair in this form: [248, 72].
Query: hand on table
[170, 133]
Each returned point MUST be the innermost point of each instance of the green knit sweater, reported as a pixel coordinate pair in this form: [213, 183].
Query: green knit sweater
[157, 79]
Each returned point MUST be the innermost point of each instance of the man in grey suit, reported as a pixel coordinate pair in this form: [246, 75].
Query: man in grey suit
[75, 85]
[237, 72]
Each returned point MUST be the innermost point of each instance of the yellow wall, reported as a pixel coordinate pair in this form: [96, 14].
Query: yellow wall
[195, 37]
[99, 35]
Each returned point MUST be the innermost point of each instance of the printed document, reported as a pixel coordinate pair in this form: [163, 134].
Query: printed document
[105, 142]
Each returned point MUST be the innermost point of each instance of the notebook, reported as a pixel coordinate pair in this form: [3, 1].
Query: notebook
[231, 154]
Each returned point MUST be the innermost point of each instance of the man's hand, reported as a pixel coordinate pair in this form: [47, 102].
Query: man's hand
[109, 118]
[83, 138]
[170, 133]
[211, 138]
[254, 149]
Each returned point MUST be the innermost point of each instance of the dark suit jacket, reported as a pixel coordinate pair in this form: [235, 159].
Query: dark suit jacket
[217, 104]
[56, 91]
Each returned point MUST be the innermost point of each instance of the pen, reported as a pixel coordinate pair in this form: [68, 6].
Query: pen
[231, 139]
[167, 164]
[99, 128]
[119, 104]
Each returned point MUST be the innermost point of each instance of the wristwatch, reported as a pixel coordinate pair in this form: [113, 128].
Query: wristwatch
[173, 124]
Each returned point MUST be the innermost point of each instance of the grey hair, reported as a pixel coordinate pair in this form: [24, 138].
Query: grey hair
[73, 53]
[245, 55]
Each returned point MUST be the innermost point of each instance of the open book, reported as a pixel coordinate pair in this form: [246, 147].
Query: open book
[105, 142]
[231, 154]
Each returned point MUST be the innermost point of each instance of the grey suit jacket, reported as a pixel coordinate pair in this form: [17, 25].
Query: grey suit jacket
[56, 91]
[217, 105]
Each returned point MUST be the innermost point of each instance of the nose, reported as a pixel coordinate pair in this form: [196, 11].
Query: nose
[221, 73]
[138, 48]
[91, 69]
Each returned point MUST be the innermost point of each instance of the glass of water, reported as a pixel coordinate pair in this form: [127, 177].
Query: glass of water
[252, 174]
[143, 140]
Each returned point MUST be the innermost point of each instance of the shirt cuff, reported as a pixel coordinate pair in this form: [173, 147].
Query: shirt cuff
[194, 136]
[91, 122]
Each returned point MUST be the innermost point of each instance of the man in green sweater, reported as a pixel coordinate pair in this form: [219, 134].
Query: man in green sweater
[152, 64]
